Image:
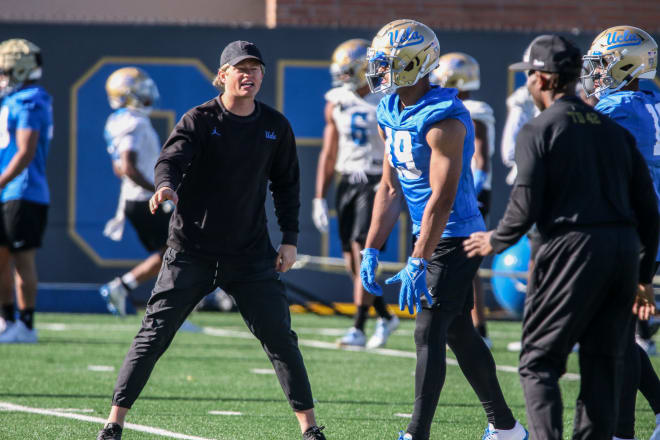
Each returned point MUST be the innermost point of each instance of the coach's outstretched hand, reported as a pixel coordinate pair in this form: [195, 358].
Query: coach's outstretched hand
[160, 196]
[368, 271]
[413, 284]
[478, 244]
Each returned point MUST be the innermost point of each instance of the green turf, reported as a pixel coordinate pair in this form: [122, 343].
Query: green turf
[358, 393]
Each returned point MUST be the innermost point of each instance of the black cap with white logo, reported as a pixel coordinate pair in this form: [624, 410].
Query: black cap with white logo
[237, 51]
[551, 53]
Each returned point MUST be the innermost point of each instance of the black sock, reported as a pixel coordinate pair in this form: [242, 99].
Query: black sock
[126, 286]
[381, 308]
[361, 317]
[481, 329]
[27, 316]
[8, 312]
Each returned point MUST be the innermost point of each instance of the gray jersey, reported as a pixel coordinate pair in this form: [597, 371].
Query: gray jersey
[360, 147]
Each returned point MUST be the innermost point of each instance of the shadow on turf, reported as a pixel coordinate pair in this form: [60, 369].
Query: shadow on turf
[244, 399]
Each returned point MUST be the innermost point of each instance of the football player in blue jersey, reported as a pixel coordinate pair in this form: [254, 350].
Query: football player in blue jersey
[429, 143]
[26, 128]
[617, 59]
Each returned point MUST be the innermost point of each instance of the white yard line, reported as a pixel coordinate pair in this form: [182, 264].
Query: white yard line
[381, 351]
[6, 406]
[241, 334]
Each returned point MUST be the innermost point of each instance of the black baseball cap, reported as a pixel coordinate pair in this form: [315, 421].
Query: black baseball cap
[237, 51]
[551, 53]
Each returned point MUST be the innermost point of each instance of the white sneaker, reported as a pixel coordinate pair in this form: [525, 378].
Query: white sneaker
[3, 325]
[518, 432]
[656, 433]
[18, 333]
[353, 337]
[114, 293]
[384, 328]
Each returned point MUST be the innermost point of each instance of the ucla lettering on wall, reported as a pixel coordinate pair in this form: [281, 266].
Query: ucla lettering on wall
[94, 189]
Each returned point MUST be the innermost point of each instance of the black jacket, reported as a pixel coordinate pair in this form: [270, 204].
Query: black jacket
[577, 169]
[220, 164]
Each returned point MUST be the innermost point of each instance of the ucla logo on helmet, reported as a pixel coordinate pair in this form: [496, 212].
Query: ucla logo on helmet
[618, 39]
[406, 38]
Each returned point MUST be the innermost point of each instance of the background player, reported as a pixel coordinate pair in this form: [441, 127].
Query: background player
[134, 148]
[613, 71]
[26, 128]
[461, 71]
[353, 148]
[430, 143]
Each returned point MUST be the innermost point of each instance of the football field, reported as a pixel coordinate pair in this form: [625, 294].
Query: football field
[218, 384]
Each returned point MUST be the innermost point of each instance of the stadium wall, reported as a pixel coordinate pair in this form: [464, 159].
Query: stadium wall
[77, 59]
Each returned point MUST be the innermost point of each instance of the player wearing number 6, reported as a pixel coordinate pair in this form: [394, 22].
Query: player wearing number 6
[429, 143]
[617, 59]
[352, 147]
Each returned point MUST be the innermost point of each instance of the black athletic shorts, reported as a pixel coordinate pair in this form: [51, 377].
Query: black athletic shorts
[151, 229]
[449, 276]
[354, 203]
[483, 201]
[23, 224]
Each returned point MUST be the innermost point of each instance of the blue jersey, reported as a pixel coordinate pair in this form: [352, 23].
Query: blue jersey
[639, 113]
[28, 108]
[410, 155]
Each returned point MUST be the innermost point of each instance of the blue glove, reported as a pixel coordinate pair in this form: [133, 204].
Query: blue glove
[368, 271]
[480, 177]
[413, 284]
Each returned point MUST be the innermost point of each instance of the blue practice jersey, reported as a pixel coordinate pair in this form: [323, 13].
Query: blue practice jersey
[410, 155]
[639, 113]
[28, 108]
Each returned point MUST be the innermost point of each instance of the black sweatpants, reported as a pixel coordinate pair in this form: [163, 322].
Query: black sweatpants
[448, 321]
[260, 296]
[581, 290]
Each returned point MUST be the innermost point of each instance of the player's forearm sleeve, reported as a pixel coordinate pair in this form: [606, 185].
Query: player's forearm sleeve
[177, 154]
[285, 187]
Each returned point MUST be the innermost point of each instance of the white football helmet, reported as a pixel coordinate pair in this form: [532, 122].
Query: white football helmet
[349, 64]
[401, 53]
[131, 87]
[457, 70]
[617, 56]
[20, 61]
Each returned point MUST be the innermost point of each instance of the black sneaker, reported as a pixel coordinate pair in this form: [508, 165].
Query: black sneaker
[314, 433]
[112, 431]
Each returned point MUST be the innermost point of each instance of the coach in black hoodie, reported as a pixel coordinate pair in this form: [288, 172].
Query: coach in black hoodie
[215, 167]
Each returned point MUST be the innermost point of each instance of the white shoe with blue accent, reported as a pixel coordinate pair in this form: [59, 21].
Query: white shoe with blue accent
[18, 333]
[354, 337]
[518, 432]
[403, 436]
[114, 293]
